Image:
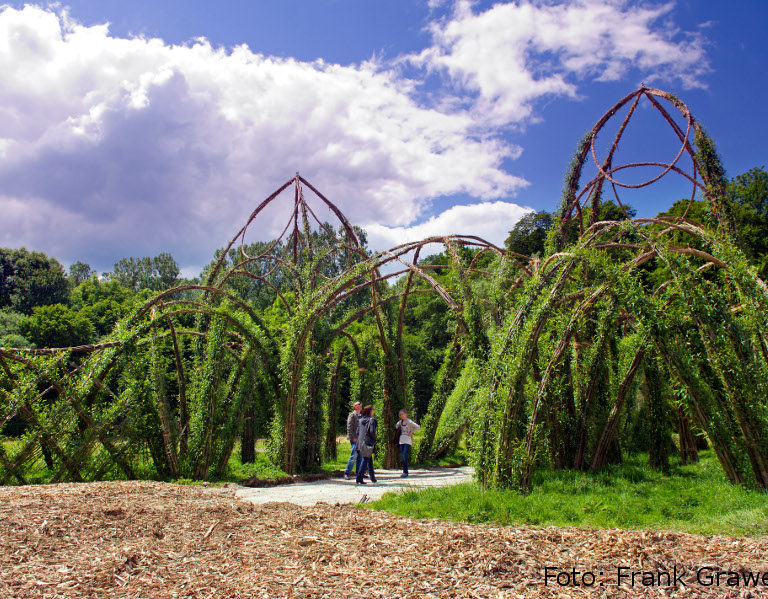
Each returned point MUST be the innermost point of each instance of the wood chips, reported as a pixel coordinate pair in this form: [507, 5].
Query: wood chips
[155, 540]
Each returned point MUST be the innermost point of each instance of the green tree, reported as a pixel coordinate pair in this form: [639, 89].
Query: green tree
[129, 272]
[165, 271]
[102, 302]
[57, 326]
[7, 272]
[697, 211]
[10, 329]
[79, 272]
[530, 233]
[612, 211]
[748, 193]
[29, 279]
[156, 274]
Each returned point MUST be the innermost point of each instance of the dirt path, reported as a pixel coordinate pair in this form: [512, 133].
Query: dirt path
[338, 490]
[151, 540]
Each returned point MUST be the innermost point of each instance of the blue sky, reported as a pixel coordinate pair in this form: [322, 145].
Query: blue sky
[417, 118]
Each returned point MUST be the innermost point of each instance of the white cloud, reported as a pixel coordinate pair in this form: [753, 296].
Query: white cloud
[490, 220]
[113, 147]
[512, 54]
[434, 4]
[138, 144]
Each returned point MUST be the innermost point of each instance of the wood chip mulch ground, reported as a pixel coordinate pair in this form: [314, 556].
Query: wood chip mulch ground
[154, 540]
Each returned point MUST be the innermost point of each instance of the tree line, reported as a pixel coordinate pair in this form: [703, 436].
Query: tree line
[42, 305]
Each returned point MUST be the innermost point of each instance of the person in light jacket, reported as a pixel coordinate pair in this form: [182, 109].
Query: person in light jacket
[353, 420]
[405, 428]
[366, 444]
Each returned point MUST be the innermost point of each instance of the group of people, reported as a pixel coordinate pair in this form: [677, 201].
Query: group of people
[361, 432]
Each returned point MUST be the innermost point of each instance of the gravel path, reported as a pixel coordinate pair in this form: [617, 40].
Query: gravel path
[338, 490]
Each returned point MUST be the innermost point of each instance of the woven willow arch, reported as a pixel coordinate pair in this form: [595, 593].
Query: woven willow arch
[547, 352]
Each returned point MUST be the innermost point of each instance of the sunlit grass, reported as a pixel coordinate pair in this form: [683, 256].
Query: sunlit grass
[694, 498]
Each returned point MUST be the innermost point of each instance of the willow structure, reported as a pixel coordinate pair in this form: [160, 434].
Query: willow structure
[653, 319]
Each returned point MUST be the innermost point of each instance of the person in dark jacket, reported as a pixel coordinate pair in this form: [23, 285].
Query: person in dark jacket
[366, 444]
[353, 421]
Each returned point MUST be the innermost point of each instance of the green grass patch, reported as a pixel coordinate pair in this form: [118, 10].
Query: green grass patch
[237, 471]
[694, 498]
[342, 456]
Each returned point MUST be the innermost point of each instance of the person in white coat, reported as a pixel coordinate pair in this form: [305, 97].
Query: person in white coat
[405, 429]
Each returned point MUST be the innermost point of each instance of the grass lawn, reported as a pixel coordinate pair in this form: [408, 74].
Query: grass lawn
[695, 498]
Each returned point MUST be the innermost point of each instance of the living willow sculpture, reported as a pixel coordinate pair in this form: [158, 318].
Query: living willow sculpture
[549, 356]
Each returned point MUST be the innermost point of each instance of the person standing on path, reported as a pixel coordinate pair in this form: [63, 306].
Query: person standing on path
[366, 444]
[405, 428]
[353, 420]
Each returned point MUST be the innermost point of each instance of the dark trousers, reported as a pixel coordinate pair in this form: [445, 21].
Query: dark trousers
[365, 463]
[405, 449]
